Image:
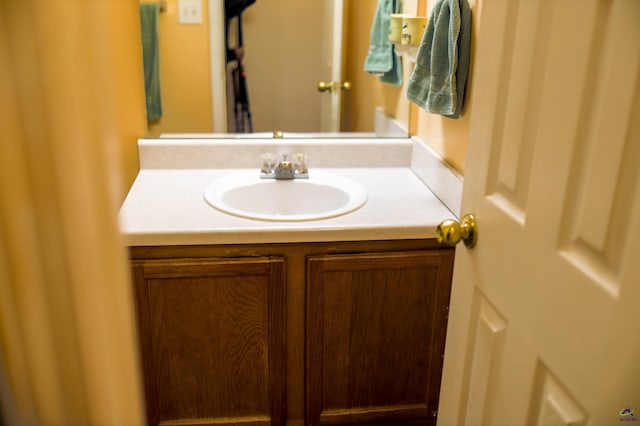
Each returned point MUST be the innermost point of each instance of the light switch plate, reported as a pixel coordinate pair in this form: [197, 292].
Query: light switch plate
[190, 12]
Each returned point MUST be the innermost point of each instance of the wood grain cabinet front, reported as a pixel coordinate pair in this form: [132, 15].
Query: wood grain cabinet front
[302, 333]
[375, 334]
[212, 337]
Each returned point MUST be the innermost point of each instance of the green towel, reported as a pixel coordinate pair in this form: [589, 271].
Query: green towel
[381, 60]
[438, 80]
[151, 59]
[394, 75]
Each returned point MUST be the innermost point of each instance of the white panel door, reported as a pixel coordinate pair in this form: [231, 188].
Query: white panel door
[544, 325]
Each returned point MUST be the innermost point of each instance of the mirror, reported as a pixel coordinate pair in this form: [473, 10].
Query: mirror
[283, 48]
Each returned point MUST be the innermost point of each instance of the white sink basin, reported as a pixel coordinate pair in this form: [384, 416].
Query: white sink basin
[321, 196]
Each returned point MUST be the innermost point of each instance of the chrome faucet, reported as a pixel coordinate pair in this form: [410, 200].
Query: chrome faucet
[285, 169]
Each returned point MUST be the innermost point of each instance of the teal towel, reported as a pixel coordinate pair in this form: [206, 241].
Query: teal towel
[438, 80]
[151, 59]
[394, 75]
[381, 60]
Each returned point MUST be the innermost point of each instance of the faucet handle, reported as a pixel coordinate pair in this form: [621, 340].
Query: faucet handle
[268, 162]
[300, 163]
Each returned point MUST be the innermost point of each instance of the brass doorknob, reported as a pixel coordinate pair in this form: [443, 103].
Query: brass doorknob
[450, 232]
[323, 86]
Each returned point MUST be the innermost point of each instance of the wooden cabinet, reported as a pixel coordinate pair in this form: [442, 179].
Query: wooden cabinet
[317, 333]
[376, 327]
[212, 340]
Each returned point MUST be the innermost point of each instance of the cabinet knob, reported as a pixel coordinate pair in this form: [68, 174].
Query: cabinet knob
[449, 232]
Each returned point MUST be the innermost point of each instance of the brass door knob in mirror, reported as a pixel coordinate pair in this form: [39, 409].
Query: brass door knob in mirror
[323, 86]
[450, 232]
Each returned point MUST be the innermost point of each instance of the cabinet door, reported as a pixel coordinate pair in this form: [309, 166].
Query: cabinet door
[212, 340]
[376, 326]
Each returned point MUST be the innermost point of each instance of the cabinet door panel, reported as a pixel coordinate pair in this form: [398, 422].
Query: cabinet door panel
[375, 336]
[212, 334]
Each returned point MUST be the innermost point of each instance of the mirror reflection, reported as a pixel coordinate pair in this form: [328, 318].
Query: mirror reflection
[286, 53]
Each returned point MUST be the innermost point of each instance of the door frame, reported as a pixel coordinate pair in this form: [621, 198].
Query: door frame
[217, 63]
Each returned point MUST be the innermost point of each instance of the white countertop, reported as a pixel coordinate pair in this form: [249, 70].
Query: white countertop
[167, 207]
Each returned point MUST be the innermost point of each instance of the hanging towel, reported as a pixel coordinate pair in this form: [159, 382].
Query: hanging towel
[151, 59]
[381, 60]
[439, 78]
[394, 75]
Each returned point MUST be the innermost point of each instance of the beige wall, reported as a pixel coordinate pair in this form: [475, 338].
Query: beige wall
[121, 80]
[184, 74]
[447, 136]
[359, 103]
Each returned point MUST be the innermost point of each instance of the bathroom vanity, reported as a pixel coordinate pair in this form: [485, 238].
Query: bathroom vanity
[333, 321]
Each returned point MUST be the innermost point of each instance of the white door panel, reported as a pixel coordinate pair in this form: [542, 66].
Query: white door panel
[544, 318]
